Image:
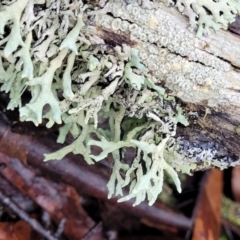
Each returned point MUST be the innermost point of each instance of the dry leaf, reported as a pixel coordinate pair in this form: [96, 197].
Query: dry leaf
[236, 184]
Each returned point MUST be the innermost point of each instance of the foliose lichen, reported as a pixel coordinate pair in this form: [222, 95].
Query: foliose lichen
[106, 97]
[207, 15]
[204, 16]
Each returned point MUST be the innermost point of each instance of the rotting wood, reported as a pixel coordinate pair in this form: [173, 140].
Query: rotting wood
[218, 127]
[221, 98]
[222, 46]
[114, 39]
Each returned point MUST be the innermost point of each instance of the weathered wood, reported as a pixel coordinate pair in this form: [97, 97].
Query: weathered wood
[221, 46]
[215, 98]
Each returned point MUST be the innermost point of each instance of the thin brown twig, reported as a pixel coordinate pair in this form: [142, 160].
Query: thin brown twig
[24, 216]
[60, 228]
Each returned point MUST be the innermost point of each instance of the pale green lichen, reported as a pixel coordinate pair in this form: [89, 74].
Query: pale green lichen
[109, 103]
[12, 13]
[33, 110]
[103, 96]
[207, 15]
[70, 41]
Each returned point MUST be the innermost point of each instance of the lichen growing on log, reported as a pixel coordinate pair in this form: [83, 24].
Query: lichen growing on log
[109, 73]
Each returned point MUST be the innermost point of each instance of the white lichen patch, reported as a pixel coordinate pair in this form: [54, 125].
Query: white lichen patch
[173, 54]
[204, 16]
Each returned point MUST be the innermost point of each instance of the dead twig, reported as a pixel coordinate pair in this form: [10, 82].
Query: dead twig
[32, 222]
[60, 228]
